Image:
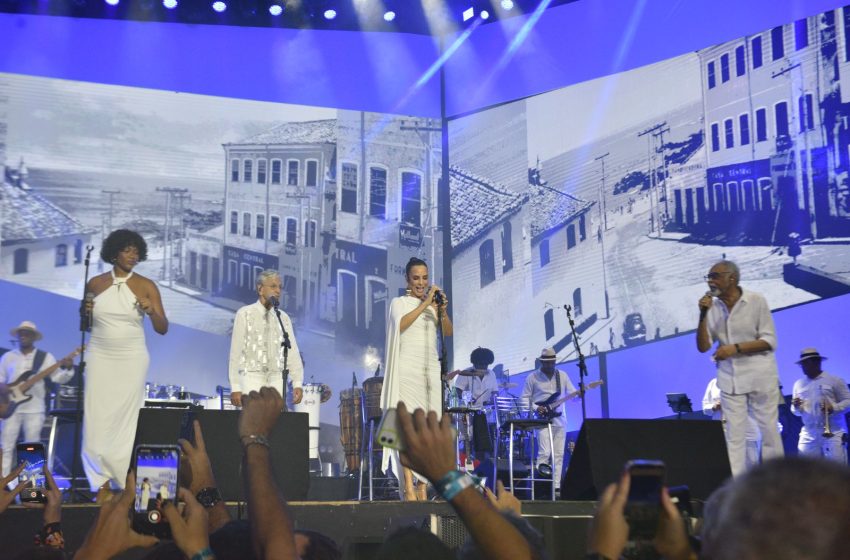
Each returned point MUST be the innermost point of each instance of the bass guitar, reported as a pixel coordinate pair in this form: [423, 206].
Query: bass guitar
[551, 404]
[18, 390]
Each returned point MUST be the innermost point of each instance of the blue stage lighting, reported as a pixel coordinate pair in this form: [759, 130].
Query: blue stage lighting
[275, 9]
[485, 14]
[219, 6]
[330, 14]
[468, 14]
[389, 15]
[170, 4]
[507, 5]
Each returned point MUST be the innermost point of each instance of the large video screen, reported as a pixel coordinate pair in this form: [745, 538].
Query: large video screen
[612, 198]
[335, 200]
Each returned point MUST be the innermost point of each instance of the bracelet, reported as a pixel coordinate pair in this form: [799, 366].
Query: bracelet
[255, 439]
[204, 554]
[738, 348]
[453, 484]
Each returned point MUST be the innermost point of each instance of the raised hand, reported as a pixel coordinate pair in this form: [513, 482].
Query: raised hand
[260, 411]
[199, 473]
[190, 528]
[112, 533]
[429, 443]
[7, 496]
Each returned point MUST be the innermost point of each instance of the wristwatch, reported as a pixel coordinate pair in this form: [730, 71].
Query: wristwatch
[208, 497]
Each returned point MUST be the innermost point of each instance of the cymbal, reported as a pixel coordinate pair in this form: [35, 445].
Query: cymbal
[508, 385]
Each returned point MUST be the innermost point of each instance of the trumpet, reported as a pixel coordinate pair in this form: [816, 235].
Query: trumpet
[827, 432]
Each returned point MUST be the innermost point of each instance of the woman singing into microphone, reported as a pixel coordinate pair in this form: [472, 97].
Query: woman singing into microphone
[412, 365]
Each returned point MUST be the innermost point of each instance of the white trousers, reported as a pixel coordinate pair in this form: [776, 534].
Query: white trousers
[559, 437]
[31, 422]
[814, 444]
[762, 406]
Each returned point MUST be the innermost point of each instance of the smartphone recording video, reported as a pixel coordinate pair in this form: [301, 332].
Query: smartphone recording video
[644, 503]
[156, 481]
[32, 456]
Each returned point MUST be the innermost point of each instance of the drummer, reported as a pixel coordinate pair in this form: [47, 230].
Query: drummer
[479, 381]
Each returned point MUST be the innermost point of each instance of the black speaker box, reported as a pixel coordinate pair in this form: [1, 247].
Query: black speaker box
[693, 452]
[289, 442]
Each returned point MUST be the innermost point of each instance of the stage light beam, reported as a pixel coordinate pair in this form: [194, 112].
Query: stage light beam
[219, 6]
[275, 9]
[169, 4]
[330, 14]
[389, 15]
[112, 2]
[507, 5]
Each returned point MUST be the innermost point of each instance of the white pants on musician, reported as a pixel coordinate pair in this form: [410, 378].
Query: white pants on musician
[31, 422]
[813, 444]
[559, 437]
[762, 406]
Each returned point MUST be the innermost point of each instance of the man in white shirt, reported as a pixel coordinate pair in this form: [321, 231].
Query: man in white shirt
[816, 397]
[541, 384]
[711, 407]
[29, 416]
[256, 350]
[480, 384]
[747, 375]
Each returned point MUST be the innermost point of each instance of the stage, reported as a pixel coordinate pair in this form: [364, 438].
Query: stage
[358, 527]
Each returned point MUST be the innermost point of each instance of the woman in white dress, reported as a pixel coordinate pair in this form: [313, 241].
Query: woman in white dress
[117, 358]
[412, 373]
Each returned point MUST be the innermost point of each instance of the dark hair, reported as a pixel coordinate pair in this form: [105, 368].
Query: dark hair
[321, 547]
[411, 263]
[412, 543]
[482, 356]
[119, 240]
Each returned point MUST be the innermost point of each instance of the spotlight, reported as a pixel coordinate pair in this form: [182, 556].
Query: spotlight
[507, 5]
[389, 16]
[275, 9]
[330, 14]
[170, 4]
[485, 14]
[468, 14]
[112, 2]
[219, 6]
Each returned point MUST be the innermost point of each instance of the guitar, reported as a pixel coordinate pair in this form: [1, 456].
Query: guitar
[551, 404]
[18, 390]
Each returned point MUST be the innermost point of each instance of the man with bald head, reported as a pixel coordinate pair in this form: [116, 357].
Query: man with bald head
[739, 320]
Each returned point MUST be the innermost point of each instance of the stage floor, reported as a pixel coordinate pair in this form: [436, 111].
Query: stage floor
[358, 527]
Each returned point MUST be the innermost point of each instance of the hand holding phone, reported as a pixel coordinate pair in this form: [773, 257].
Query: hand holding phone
[32, 457]
[643, 506]
[156, 481]
[389, 434]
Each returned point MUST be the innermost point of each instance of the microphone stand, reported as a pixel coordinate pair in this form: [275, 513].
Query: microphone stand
[444, 366]
[582, 367]
[85, 326]
[286, 346]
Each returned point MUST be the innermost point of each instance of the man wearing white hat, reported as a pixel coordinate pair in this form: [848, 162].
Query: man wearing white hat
[819, 396]
[28, 416]
[541, 384]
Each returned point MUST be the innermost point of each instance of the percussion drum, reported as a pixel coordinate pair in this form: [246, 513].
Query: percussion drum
[351, 426]
[372, 390]
[310, 404]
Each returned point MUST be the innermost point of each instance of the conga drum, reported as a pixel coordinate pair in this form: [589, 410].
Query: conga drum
[312, 398]
[351, 426]
[372, 391]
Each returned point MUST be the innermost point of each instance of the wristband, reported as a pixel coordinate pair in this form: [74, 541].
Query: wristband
[204, 554]
[255, 439]
[738, 348]
[453, 484]
[208, 497]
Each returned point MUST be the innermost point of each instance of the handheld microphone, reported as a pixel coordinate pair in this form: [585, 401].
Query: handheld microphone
[273, 301]
[85, 313]
[438, 297]
[704, 310]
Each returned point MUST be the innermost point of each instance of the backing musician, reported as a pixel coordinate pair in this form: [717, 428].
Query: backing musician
[28, 416]
[481, 384]
[541, 384]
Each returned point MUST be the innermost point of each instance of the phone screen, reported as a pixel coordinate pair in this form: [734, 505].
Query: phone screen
[644, 503]
[646, 485]
[156, 475]
[31, 455]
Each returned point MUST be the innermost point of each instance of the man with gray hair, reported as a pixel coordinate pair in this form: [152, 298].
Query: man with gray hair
[747, 375]
[256, 346]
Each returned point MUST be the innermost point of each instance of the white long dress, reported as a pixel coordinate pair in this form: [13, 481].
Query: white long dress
[412, 373]
[116, 368]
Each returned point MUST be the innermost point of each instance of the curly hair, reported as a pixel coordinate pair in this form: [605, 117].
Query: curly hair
[119, 240]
